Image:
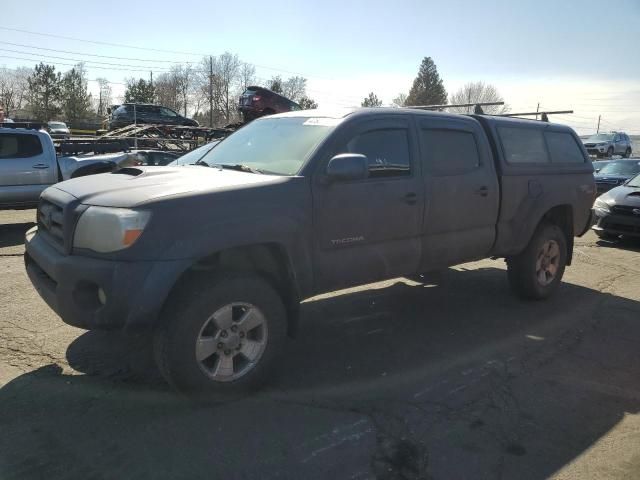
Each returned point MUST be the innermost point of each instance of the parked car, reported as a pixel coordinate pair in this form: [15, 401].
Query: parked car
[598, 164]
[615, 173]
[214, 262]
[154, 157]
[29, 164]
[58, 130]
[258, 101]
[617, 212]
[609, 144]
[129, 113]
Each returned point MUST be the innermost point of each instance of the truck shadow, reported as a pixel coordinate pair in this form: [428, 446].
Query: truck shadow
[549, 380]
[13, 234]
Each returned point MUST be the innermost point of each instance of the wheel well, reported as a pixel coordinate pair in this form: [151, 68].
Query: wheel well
[562, 216]
[268, 260]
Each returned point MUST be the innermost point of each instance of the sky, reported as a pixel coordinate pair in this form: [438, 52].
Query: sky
[566, 55]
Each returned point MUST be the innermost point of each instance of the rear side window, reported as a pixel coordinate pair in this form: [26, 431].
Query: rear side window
[450, 152]
[19, 146]
[387, 151]
[563, 148]
[121, 110]
[523, 145]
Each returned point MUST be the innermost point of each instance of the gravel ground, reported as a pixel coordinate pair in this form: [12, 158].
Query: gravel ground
[453, 378]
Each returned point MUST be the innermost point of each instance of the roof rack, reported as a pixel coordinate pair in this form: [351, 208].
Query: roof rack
[544, 116]
[26, 125]
[477, 106]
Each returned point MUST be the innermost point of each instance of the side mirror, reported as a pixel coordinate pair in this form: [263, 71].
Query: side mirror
[348, 166]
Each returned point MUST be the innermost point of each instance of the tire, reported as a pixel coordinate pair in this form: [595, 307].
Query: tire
[530, 271]
[610, 152]
[189, 319]
[627, 152]
[603, 234]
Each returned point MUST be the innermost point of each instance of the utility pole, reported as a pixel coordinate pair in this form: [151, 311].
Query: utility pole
[210, 91]
[598, 129]
[537, 110]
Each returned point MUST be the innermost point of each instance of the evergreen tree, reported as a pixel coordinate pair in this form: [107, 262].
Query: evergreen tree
[44, 91]
[372, 101]
[139, 91]
[427, 88]
[307, 103]
[76, 100]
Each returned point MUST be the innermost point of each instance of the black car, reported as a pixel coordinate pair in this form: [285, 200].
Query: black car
[617, 212]
[129, 113]
[258, 101]
[615, 173]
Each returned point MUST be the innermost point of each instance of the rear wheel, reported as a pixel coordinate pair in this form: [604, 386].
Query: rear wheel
[537, 271]
[222, 337]
[627, 152]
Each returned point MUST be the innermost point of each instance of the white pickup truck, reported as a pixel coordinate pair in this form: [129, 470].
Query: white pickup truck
[29, 164]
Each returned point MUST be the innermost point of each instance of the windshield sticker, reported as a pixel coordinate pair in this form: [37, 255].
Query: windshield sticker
[322, 121]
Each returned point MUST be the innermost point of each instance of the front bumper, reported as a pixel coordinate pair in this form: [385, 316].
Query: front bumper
[617, 224]
[596, 150]
[99, 294]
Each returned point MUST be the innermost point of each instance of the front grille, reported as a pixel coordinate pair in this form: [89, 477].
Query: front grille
[626, 210]
[50, 220]
[589, 145]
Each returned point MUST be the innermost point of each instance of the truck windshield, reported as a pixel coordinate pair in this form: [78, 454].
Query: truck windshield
[272, 145]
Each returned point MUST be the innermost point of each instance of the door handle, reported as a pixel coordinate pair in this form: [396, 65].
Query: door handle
[40, 166]
[483, 191]
[411, 198]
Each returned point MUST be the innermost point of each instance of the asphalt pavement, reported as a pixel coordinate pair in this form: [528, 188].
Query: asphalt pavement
[447, 377]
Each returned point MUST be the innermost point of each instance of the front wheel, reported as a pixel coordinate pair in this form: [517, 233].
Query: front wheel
[221, 337]
[537, 271]
[610, 152]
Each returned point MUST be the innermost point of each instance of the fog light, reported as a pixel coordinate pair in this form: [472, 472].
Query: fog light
[102, 296]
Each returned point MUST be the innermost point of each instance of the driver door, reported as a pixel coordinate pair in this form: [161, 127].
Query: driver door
[368, 230]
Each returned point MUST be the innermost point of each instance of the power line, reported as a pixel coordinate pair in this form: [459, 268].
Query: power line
[121, 45]
[93, 54]
[141, 67]
[75, 64]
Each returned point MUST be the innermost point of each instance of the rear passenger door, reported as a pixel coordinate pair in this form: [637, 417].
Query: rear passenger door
[370, 229]
[462, 196]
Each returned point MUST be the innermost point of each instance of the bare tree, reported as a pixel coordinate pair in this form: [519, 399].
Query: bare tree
[104, 97]
[14, 86]
[478, 92]
[247, 76]
[400, 100]
[294, 88]
[218, 82]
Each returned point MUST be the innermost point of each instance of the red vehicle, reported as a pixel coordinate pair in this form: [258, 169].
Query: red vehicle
[258, 101]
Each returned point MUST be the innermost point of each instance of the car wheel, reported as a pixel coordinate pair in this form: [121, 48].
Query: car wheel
[221, 337]
[537, 271]
[627, 152]
[610, 152]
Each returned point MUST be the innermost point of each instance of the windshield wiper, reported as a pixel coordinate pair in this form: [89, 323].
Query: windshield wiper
[237, 167]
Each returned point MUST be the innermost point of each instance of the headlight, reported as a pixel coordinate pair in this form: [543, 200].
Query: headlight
[601, 206]
[106, 229]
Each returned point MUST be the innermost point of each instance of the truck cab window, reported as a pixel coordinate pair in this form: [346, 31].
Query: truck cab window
[19, 146]
[387, 151]
[523, 145]
[563, 148]
[449, 152]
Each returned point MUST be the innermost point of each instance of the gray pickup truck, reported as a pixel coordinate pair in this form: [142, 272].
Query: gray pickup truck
[214, 259]
[29, 164]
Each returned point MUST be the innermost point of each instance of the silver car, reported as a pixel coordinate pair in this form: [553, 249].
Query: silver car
[608, 144]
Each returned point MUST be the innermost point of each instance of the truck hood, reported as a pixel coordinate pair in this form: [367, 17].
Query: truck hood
[611, 178]
[131, 187]
[623, 196]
